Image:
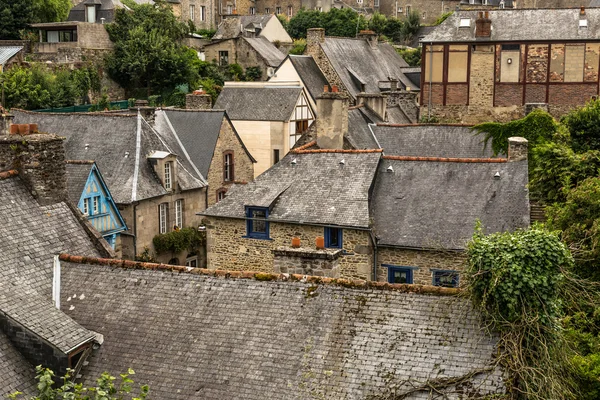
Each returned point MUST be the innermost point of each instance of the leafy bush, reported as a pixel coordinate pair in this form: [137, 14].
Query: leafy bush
[443, 17]
[298, 47]
[343, 22]
[411, 56]
[583, 125]
[178, 240]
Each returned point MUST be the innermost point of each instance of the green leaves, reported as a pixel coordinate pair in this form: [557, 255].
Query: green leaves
[176, 241]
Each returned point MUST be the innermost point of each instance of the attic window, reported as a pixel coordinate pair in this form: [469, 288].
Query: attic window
[465, 23]
[168, 181]
[583, 23]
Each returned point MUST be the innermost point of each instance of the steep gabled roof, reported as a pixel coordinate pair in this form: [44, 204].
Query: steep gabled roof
[254, 103]
[233, 27]
[435, 204]
[356, 61]
[310, 188]
[359, 135]
[521, 25]
[8, 52]
[267, 50]
[310, 74]
[195, 335]
[119, 143]
[77, 176]
[17, 373]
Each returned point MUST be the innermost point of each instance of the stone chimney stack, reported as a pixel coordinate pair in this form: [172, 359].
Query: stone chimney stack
[332, 122]
[314, 37]
[375, 101]
[483, 25]
[517, 149]
[198, 100]
[40, 160]
[370, 36]
[146, 111]
[5, 122]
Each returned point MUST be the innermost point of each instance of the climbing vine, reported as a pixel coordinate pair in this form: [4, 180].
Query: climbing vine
[179, 240]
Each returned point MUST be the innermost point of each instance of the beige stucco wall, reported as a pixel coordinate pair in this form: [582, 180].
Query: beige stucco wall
[287, 73]
[243, 165]
[228, 249]
[423, 260]
[275, 32]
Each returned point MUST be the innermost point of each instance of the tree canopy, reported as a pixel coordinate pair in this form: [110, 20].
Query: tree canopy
[15, 15]
[343, 22]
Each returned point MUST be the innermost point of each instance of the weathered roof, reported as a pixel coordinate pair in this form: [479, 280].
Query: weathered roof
[190, 336]
[594, 3]
[233, 27]
[267, 50]
[8, 52]
[359, 135]
[521, 25]
[507, 3]
[316, 189]
[313, 79]
[17, 374]
[355, 60]
[436, 204]
[452, 141]
[253, 103]
[77, 176]
[113, 141]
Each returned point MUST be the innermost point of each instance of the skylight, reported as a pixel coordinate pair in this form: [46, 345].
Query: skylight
[465, 23]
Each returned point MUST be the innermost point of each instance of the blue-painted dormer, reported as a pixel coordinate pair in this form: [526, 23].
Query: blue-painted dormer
[89, 192]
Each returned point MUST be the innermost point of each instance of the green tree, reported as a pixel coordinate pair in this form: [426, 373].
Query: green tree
[343, 22]
[147, 51]
[378, 23]
[411, 56]
[410, 26]
[51, 10]
[15, 15]
[302, 21]
[106, 389]
[393, 29]
[583, 124]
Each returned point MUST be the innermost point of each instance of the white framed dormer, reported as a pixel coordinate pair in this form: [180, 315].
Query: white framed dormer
[164, 165]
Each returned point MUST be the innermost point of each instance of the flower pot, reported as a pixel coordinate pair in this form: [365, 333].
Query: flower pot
[295, 242]
[320, 242]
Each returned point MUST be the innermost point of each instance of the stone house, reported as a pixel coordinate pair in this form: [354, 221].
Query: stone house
[156, 176]
[378, 211]
[253, 26]
[269, 117]
[477, 67]
[90, 194]
[365, 68]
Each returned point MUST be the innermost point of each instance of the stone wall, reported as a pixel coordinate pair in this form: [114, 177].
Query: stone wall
[248, 57]
[185, 13]
[314, 38]
[307, 261]
[481, 91]
[211, 51]
[429, 10]
[424, 261]
[228, 249]
[243, 170]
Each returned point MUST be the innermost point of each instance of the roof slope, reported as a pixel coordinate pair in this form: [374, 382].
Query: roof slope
[359, 135]
[112, 140]
[233, 27]
[436, 204]
[521, 25]
[316, 189]
[77, 176]
[8, 52]
[253, 103]
[432, 141]
[17, 374]
[190, 336]
[311, 75]
[355, 59]
[594, 3]
[267, 50]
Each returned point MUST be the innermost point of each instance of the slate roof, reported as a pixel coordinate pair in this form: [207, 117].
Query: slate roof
[267, 50]
[317, 189]
[112, 141]
[232, 27]
[521, 25]
[190, 336]
[8, 52]
[77, 176]
[253, 103]
[432, 141]
[359, 134]
[594, 3]
[17, 374]
[310, 74]
[436, 204]
[355, 60]
[507, 3]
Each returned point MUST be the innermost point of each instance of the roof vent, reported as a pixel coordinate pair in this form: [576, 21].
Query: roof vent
[87, 146]
[497, 175]
[390, 169]
[583, 23]
[126, 154]
[465, 23]
[343, 162]
[294, 162]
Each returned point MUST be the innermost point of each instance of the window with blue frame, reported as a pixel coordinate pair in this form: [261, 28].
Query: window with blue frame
[257, 226]
[445, 278]
[333, 238]
[399, 274]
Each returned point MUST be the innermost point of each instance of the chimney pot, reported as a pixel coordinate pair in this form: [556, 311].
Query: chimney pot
[320, 243]
[487, 15]
[325, 88]
[517, 148]
[334, 89]
[582, 12]
[14, 129]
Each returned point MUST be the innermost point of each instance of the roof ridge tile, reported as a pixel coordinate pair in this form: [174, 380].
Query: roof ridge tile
[446, 159]
[8, 174]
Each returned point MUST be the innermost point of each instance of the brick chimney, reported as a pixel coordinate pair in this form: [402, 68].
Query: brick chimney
[370, 36]
[483, 25]
[40, 160]
[517, 149]
[198, 100]
[314, 37]
[332, 119]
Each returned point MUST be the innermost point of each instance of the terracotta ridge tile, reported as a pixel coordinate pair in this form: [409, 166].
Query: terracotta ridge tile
[305, 146]
[446, 159]
[336, 151]
[110, 113]
[405, 125]
[8, 174]
[264, 276]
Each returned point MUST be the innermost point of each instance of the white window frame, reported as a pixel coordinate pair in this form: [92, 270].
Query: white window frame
[202, 13]
[168, 176]
[277, 10]
[229, 9]
[86, 207]
[227, 163]
[90, 14]
[290, 11]
[267, 10]
[96, 204]
[179, 213]
[192, 12]
[252, 10]
[163, 217]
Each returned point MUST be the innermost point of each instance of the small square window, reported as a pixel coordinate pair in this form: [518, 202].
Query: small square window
[333, 238]
[257, 225]
[400, 275]
[223, 58]
[445, 278]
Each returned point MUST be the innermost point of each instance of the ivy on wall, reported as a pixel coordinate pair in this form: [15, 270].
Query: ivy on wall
[179, 240]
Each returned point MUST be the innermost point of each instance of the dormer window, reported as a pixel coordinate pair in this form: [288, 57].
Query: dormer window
[90, 13]
[168, 172]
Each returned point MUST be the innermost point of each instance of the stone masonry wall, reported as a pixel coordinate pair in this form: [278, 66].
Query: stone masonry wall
[307, 261]
[248, 57]
[481, 91]
[228, 249]
[314, 37]
[243, 169]
[424, 261]
[211, 51]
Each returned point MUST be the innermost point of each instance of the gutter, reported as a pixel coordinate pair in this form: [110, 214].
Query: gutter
[288, 222]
